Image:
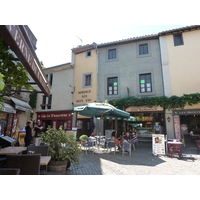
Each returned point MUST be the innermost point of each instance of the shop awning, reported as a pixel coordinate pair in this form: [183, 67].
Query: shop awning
[7, 108]
[21, 105]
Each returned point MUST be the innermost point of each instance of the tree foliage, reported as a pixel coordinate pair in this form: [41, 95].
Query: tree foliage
[15, 75]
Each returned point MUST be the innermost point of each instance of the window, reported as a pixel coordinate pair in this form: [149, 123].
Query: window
[88, 78]
[178, 39]
[49, 102]
[112, 54]
[43, 102]
[143, 49]
[88, 53]
[145, 83]
[112, 86]
[51, 79]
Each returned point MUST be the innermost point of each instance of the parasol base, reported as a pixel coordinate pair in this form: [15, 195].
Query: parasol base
[99, 151]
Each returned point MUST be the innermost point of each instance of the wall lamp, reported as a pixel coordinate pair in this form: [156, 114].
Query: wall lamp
[168, 119]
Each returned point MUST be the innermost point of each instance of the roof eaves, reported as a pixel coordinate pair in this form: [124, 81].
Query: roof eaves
[177, 30]
[129, 40]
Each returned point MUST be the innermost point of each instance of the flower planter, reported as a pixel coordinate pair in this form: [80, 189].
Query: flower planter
[57, 166]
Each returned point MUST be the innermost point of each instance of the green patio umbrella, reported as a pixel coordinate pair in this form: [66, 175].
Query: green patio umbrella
[101, 110]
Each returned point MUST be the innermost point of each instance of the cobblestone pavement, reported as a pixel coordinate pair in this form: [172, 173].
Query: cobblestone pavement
[141, 162]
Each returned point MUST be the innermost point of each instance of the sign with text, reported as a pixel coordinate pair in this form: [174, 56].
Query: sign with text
[158, 144]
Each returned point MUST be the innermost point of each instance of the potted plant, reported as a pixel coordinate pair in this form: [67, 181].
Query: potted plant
[83, 139]
[63, 149]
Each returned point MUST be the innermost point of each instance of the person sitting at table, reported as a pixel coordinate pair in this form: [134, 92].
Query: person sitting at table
[28, 136]
[114, 137]
[92, 134]
[133, 137]
[127, 137]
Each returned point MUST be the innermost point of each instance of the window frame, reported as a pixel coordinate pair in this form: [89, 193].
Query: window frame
[84, 80]
[112, 56]
[145, 83]
[142, 51]
[179, 41]
[113, 89]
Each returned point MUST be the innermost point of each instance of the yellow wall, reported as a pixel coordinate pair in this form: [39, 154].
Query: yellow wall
[84, 65]
[184, 62]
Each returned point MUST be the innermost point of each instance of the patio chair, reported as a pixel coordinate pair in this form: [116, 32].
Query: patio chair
[9, 171]
[133, 142]
[29, 164]
[126, 147]
[110, 145]
[43, 150]
[89, 145]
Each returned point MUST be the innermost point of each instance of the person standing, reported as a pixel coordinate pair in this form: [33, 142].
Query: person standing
[37, 130]
[28, 136]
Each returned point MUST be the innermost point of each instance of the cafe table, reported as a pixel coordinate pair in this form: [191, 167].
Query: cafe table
[12, 150]
[174, 146]
[44, 160]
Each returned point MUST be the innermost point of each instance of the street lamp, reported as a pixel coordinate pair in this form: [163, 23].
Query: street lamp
[168, 119]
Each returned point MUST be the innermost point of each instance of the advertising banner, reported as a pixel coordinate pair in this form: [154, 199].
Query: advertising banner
[158, 144]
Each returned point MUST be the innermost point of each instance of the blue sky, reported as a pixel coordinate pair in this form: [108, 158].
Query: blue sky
[54, 48]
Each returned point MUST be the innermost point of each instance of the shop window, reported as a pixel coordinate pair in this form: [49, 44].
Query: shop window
[112, 86]
[145, 83]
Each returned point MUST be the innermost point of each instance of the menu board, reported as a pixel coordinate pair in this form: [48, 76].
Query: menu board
[158, 144]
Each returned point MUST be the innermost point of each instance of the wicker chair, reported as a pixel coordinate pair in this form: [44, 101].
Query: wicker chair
[29, 164]
[9, 171]
[43, 150]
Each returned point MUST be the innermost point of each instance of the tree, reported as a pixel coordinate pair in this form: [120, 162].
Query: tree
[15, 74]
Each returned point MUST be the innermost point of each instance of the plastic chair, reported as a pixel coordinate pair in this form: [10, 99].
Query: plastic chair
[133, 142]
[89, 145]
[9, 171]
[29, 164]
[110, 145]
[126, 147]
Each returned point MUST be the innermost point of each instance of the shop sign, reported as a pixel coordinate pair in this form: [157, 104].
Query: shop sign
[54, 116]
[143, 109]
[158, 144]
[186, 112]
[177, 127]
[14, 37]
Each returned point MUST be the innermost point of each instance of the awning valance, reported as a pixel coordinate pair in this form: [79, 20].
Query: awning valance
[7, 108]
[21, 105]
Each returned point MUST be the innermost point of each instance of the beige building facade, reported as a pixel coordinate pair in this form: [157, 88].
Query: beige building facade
[180, 58]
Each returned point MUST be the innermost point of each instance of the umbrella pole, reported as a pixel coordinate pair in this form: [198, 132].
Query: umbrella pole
[101, 124]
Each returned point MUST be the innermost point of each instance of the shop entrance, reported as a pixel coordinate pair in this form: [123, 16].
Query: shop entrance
[191, 124]
[46, 123]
